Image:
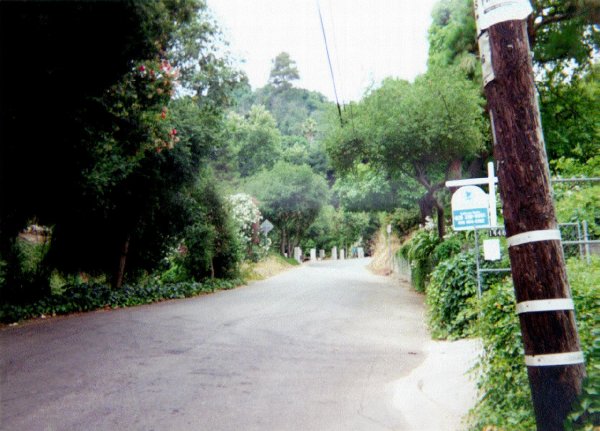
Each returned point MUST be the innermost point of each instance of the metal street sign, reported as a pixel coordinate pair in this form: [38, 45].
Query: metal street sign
[491, 181]
[266, 227]
[470, 208]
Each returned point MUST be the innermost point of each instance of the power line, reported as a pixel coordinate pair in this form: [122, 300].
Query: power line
[337, 101]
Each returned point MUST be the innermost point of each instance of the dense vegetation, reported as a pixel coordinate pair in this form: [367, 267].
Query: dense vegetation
[137, 164]
[564, 37]
[145, 140]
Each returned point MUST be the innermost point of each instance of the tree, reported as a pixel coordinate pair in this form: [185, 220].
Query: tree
[564, 36]
[452, 38]
[366, 188]
[255, 139]
[283, 71]
[423, 130]
[211, 236]
[570, 115]
[111, 156]
[291, 197]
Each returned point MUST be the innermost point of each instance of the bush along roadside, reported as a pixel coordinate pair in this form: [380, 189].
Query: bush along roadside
[505, 402]
[85, 297]
[447, 272]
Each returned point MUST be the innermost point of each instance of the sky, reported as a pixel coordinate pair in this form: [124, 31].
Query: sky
[368, 40]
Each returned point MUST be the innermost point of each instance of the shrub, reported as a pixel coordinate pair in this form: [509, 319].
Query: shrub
[23, 273]
[451, 246]
[211, 240]
[85, 297]
[581, 203]
[247, 217]
[418, 252]
[503, 383]
[453, 284]
[405, 220]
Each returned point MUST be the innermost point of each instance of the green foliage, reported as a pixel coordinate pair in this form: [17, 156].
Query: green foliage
[581, 204]
[570, 117]
[212, 242]
[585, 280]
[503, 383]
[418, 251]
[419, 130]
[404, 220]
[578, 201]
[284, 71]
[506, 399]
[113, 183]
[452, 245]
[255, 139]
[84, 297]
[365, 188]
[452, 37]
[340, 228]
[23, 273]
[298, 112]
[291, 197]
[453, 284]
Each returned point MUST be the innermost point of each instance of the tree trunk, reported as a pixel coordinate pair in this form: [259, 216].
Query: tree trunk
[441, 222]
[283, 244]
[538, 267]
[120, 272]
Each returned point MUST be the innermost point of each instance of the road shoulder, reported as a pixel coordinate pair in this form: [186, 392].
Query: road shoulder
[438, 394]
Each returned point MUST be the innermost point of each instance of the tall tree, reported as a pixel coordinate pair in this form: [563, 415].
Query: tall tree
[283, 71]
[110, 155]
[424, 130]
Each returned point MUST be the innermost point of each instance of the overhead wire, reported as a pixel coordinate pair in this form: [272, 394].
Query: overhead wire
[337, 100]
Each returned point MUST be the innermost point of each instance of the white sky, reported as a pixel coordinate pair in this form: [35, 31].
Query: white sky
[368, 40]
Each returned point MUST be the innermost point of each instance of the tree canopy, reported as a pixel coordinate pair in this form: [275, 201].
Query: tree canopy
[95, 146]
[283, 71]
[291, 196]
[423, 130]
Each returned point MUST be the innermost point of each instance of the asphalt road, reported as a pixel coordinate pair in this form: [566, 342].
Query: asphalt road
[314, 348]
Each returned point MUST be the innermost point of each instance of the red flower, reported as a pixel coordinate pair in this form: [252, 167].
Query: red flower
[163, 115]
[142, 68]
[174, 132]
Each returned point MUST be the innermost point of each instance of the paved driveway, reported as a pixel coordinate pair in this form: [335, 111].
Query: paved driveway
[314, 348]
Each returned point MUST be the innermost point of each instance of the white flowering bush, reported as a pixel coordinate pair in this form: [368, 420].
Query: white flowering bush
[247, 216]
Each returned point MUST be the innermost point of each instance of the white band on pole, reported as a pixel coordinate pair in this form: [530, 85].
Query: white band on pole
[554, 359]
[539, 305]
[533, 236]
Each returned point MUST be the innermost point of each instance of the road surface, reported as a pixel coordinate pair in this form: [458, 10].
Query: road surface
[328, 346]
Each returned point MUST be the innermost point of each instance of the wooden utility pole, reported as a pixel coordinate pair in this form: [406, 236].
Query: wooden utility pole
[552, 352]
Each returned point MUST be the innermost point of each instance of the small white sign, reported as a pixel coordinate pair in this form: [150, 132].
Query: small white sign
[490, 12]
[491, 249]
[485, 53]
[470, 208]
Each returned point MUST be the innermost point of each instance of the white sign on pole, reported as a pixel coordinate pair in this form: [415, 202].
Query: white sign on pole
[266, 227]
[490, 12]
[490, 181]
[491, 249]
[470, 208]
